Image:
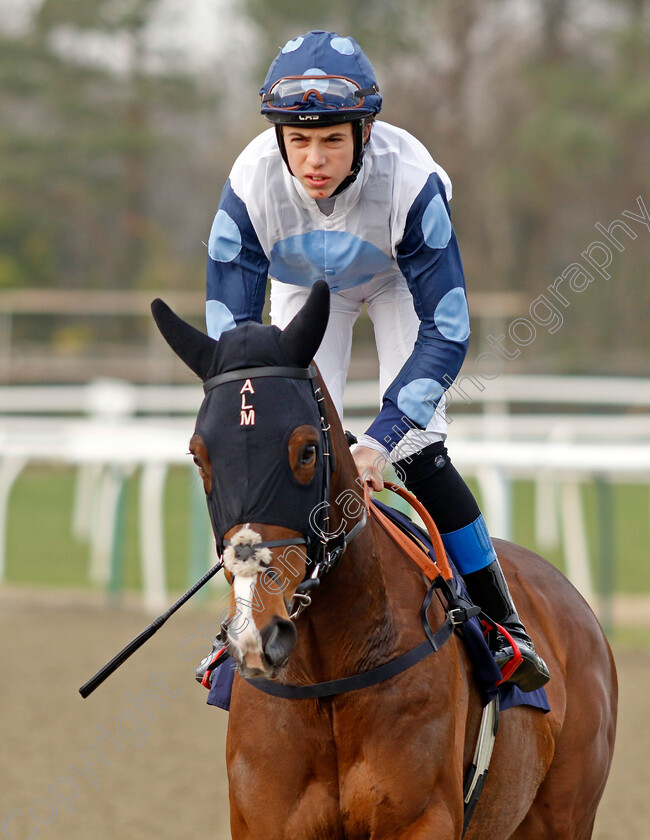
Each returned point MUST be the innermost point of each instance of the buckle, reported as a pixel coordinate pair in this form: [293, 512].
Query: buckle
[334, 551]
[459, 615]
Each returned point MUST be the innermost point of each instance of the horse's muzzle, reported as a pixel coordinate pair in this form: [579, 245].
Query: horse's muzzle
[278, 641]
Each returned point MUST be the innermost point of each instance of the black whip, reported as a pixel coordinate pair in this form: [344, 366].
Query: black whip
[88, 687]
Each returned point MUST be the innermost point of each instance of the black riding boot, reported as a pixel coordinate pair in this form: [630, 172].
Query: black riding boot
[488, 589]
[434, 480]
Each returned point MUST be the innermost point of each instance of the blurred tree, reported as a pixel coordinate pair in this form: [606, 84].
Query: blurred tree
[115, 150]
[28, 230]
[374, 23]
[89, 110]
[540, 112]
[578, 154]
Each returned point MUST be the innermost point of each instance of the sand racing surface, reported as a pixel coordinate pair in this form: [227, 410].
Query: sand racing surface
[143, 757]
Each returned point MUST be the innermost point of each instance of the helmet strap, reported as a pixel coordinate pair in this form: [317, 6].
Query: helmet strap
[281, 145]
[358, 127]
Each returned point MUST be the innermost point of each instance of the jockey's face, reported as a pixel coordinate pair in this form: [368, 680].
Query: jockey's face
[320, 158]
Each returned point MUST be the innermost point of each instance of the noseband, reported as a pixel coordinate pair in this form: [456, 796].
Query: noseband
[323, 551]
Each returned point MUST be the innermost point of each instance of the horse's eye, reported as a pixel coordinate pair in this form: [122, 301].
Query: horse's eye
[308, 455]
[303, 452]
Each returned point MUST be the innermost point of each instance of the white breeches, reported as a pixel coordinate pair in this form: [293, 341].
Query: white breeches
[390, 307]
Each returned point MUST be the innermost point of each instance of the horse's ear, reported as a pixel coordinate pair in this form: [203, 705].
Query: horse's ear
[194, 347]
[301, 338]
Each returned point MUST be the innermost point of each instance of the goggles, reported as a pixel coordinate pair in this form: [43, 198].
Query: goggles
[334, 92]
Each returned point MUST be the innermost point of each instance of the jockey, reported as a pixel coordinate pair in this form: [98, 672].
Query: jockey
[328, 193]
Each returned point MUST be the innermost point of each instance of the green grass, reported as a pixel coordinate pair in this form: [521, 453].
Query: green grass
[630, 637]
[630, 540]
[41, 549]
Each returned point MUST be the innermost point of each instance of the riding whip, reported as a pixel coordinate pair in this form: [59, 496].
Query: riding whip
[88, 687]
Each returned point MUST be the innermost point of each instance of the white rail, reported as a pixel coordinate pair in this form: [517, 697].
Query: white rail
[116, 396]
[107, 442]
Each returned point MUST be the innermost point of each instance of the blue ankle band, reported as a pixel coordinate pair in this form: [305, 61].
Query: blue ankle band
[470, 548]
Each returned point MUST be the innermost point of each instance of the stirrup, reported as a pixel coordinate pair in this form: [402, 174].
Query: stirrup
[519, 662]
[204, 674]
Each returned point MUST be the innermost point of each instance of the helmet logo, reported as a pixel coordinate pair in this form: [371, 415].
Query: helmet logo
[308, 116]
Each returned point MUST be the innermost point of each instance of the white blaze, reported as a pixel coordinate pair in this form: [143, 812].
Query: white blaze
[242, 631]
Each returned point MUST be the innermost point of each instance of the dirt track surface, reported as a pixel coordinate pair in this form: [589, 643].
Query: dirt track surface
[143, 757]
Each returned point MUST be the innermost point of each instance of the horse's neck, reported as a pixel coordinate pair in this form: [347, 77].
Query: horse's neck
[348, 627]
[356, 620]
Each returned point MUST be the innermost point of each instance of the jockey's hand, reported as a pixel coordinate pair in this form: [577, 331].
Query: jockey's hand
[370, 465]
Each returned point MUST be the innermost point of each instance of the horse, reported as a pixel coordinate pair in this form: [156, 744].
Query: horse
[322, 594]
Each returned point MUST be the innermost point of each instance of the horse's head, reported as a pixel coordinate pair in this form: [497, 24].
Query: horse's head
[261, 446]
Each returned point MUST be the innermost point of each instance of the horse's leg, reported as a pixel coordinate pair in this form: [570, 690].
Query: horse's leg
[554, 822]
[401, 770]
[282, 799]
[563, 808]
[394, 813]
[289, 813]
[566, 802]
[281, 769]
[587, 830]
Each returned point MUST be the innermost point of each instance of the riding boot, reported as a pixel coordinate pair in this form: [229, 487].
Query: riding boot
[488, 588]
[431, 476]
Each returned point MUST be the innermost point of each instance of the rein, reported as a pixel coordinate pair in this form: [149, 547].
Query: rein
[325, 552]
[458, 611]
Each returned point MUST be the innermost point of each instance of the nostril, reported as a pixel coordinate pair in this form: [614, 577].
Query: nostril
[278, 640]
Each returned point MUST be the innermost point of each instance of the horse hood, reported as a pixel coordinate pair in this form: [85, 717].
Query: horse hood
[247, 418]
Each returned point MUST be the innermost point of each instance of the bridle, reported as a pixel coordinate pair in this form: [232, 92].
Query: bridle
[323, 550]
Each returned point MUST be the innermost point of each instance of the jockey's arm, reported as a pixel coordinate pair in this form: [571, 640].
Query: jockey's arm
[429, 259]
[237, 267]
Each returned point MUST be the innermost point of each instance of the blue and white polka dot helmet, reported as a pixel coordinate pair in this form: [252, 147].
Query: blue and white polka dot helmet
[320, 78]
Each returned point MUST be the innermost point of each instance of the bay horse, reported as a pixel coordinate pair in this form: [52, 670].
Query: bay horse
[387, 760]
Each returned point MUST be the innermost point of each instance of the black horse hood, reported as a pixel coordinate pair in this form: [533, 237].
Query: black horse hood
[250, 345]
[246, 421]
[246, 426]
